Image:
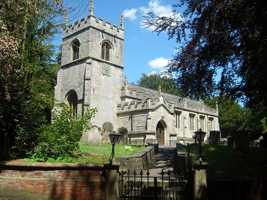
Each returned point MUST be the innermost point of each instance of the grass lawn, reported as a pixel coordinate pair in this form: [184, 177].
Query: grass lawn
[223, 161]
[105, 149]
[100, 154]
[96, 154]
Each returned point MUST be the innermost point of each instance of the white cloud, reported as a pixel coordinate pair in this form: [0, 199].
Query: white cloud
[130, 13]
[159, 63]
[155, 7]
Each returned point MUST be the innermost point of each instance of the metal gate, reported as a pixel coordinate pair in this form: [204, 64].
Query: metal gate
[142, 184]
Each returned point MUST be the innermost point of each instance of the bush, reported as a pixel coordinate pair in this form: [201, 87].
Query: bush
[24, 142]
[61, 138]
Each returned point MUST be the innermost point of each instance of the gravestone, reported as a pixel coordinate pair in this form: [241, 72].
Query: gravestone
[124, 132]
[107, 128]
[214, 137]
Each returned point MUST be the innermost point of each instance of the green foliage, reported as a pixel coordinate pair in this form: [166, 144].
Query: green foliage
[223, 161]
[61, 138]
[105, 149]
[223, 52]
[91, 154]
[27, 73]
[264, 124]
[155, 81]
[25, 140]
[233, 117]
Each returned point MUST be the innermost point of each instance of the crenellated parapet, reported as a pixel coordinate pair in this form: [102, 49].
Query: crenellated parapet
[94, 22]
[148, 104]
[132, 106]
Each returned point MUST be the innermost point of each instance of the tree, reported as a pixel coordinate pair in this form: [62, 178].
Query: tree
[155, 81]
[233, 117]
[224, 49]
[27, 71]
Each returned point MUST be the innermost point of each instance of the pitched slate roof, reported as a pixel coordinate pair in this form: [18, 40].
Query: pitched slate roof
[142, 94]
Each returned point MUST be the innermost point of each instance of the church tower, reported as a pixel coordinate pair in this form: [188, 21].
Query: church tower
[91, 73]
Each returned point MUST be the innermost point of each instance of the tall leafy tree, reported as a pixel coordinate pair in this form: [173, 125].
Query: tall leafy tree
[233, 117]
[27, 70]
[223, 49]
[155, 81]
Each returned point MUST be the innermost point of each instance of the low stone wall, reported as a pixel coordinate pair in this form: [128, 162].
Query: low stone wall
[64, 182]
[140, 160]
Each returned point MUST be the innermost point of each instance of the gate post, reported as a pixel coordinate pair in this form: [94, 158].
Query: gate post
[111, 177]
[200, 181]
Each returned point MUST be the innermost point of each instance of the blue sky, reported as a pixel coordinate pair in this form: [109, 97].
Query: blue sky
[145, 51]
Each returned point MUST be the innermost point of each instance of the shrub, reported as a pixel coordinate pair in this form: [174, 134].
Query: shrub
[61, 138]
[24, 142]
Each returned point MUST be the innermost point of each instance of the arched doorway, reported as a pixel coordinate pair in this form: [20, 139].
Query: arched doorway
[160, 132]
[72, 99]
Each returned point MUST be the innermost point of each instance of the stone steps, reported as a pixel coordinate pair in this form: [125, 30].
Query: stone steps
[163, 161]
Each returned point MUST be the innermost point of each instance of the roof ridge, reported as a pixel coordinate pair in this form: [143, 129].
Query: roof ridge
[157, 91]
[165, 93]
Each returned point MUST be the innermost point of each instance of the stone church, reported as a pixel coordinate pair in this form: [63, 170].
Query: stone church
[91, 76]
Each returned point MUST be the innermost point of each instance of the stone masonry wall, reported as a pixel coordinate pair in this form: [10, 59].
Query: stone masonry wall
[142, 160]
[105, 93]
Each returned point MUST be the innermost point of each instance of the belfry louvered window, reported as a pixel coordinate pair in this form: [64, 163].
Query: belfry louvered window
[106, 49]
[75, 49]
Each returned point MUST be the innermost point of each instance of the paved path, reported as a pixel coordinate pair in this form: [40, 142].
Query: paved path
[163, 160]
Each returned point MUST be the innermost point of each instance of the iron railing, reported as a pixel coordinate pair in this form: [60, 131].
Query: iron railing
[142, 184]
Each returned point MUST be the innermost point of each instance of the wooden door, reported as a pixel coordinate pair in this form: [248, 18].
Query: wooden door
[160, 134]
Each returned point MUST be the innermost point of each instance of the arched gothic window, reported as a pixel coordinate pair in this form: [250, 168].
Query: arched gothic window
[106, 49]
[75, 49]
[72, 99]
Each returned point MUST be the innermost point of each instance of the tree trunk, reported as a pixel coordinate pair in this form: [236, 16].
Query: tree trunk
[4, 147]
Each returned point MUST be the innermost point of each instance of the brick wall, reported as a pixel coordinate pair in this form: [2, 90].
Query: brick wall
[54, 181]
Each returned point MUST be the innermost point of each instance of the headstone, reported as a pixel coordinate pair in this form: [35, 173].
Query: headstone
[214, 137]
[124, 132]
[107, 128]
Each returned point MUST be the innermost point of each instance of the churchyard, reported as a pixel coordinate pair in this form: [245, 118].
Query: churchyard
[97, 154]
[192, 126]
